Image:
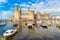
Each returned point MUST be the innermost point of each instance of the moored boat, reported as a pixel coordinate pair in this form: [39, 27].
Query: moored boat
[3, 24]
[15, 24]
[9, 32]
[58, 24]
[44, 26]
[48, 23]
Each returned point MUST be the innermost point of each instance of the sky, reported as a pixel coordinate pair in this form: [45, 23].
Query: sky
[44, 6]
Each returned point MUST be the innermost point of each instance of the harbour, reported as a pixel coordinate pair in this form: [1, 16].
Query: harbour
[27, 27]
[40, 33]
[29, 20]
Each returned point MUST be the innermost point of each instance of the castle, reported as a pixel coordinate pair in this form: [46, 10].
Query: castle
[29, 17]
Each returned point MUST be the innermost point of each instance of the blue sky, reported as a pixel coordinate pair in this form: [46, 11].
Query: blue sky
[48, 6]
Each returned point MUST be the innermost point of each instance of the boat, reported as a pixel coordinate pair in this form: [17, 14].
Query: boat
[48, 23]
[2, 24]
[9, 32]
[58, 24]
[44, 26]
[15, 24]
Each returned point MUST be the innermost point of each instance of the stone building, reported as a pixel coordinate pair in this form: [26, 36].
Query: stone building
[17, 13]
[25, 17]
[30, 17]
[38, 15]
[46, 16]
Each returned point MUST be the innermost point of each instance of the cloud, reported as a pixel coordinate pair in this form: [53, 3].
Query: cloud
[4, 1]
[37, 6]
[11, 8]
[6, 14]
[24, 10]
[44, 6]
[29, 3]
[16, 4]
[52, 5]
[48, 6]
[24, 5]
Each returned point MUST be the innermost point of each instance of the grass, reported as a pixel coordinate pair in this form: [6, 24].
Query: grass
[3, 38]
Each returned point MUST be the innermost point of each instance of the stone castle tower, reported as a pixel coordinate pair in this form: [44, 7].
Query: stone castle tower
[31, 13]
[38, 15]
[17, 14]
[29, 16]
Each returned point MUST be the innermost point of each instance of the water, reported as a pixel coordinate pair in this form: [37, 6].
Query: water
[4, 28]
[52, 33]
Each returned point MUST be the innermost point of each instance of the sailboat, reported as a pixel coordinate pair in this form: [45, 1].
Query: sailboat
[2, 23]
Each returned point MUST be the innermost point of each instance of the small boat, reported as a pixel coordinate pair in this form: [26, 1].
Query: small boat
[44, 26]
[15, 24]
[58, 24]
[3, 24]
[48, 23]
[9, 33]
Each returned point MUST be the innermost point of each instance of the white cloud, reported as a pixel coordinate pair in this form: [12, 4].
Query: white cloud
[52, 6]
[6, 14]
[16, 4]
[29, 2]
[11, 8]
[3, 1]
[24, 10]
[37, 6]
[48, 6]
[24, 5]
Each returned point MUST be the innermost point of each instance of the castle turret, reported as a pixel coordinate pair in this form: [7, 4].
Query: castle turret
[30, 11]
[28, 8]
[16, 14]
[38, 16]
[20, 12]
[19, 28]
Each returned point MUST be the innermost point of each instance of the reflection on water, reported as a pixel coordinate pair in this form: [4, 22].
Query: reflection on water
[52, 33]
[4, 28]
